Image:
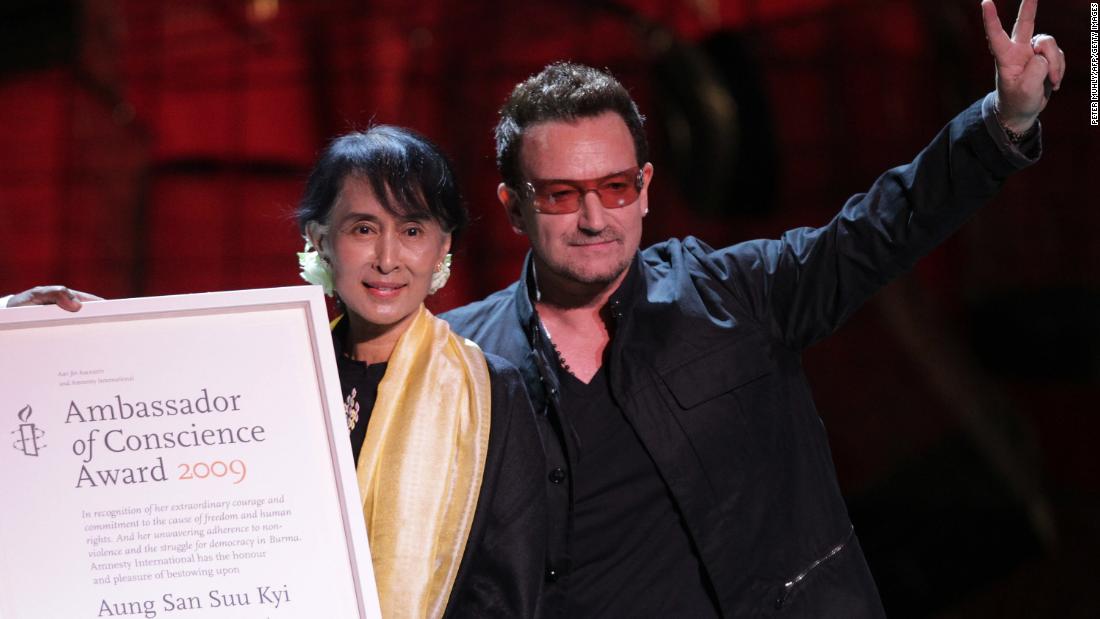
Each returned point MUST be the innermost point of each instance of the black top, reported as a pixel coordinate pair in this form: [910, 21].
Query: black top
[631, 553]
[359, 386]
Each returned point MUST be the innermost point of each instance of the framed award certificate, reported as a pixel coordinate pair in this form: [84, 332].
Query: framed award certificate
[182, 456]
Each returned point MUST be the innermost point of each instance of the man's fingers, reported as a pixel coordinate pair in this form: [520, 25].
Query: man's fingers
[1036, 71]
[61, 296]
[67, 303]
[994, 32]
[72, 300]
[1045, 46]
[85, 296]
[1025, 21]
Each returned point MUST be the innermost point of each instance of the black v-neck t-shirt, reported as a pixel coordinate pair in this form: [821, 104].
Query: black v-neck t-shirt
[630, 550]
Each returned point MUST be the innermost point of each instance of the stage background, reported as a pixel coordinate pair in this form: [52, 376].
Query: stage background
[159, 148]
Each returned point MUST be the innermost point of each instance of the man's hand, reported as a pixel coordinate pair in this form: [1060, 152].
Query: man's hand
[1029, 68]
[65, 298]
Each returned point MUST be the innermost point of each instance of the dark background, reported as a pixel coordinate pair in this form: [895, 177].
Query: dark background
[155, 147]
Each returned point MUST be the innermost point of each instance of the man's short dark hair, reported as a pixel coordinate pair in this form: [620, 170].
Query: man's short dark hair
[562, 91]
[410, 176]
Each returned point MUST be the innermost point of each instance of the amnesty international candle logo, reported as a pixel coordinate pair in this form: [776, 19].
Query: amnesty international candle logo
[28, 434]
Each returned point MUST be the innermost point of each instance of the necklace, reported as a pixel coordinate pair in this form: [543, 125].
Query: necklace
[557, 353]
[351, 408]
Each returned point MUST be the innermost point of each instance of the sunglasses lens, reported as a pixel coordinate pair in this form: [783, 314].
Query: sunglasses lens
[557, 199]
[561, 197]
[618, 191]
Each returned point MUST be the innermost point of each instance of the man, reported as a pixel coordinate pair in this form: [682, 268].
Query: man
[688, 472]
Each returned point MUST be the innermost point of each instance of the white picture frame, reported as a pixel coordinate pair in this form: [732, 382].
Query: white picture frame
[178, 456]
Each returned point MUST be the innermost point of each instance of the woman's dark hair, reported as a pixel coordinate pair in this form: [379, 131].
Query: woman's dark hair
[408, 174]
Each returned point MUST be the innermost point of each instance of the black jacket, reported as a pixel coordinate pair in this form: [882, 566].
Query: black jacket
[501, 570]
[705, 364]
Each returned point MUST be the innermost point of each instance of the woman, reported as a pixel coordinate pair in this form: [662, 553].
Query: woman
[447, 456]
[443, 435]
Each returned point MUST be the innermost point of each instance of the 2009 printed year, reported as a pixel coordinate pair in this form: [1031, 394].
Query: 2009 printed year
[216, 469]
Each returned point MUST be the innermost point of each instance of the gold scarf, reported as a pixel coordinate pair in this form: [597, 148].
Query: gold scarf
[421, 465]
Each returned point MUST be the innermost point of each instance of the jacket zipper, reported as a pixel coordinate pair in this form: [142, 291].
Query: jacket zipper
[792, 583]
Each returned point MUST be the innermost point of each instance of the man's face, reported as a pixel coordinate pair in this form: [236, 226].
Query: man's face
[593, 246]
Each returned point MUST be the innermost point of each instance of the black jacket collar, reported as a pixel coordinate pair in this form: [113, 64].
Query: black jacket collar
[542, 355]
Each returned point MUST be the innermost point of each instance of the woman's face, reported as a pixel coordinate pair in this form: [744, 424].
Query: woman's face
[382, 264]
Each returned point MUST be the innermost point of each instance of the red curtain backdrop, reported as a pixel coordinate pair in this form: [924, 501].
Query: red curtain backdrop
[163, 151]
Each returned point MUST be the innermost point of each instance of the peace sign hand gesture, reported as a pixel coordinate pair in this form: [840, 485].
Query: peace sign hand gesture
[1029, 68]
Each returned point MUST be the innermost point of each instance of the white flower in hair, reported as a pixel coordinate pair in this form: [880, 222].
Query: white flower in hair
[314, 268]
[441, 275]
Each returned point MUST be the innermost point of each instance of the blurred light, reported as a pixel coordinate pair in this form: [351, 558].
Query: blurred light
[263, 10]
